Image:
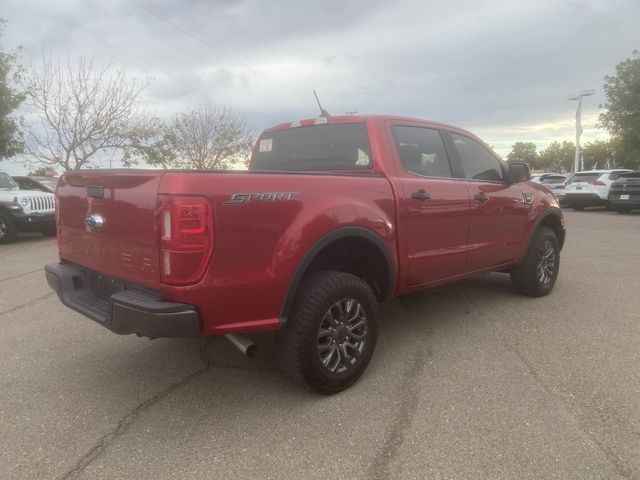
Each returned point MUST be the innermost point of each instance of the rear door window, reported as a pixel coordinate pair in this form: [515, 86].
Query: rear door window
[421, 151]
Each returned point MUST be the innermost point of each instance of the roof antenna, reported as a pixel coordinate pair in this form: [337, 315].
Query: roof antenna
[323, 112]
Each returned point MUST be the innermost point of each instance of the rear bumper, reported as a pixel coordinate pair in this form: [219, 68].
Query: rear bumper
[631, 203]
[632, 198]
[583, 199]
[128, 310]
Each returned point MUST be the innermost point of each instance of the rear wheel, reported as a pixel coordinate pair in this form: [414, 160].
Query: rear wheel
[623, 209]
[331, 333]
[537, 274]
[8, 229]
[578, 208]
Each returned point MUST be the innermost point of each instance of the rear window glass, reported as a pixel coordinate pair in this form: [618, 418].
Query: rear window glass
[616, 175]
[318, 147]
[585, 177]
[630, 174]
[554, 180]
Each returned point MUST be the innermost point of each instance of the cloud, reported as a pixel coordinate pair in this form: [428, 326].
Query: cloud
[502, 68]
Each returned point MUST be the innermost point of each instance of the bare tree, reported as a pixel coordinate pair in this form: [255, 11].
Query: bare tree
[209, 138]
[85, 110]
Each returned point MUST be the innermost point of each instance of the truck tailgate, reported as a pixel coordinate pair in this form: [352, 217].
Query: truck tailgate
[126, 246]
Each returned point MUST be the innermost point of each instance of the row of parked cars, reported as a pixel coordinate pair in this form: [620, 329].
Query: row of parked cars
[618, 188]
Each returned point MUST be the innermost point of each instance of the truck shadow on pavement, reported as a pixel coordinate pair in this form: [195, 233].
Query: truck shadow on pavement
[408, 320]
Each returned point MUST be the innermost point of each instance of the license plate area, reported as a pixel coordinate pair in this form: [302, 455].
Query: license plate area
[624, 196]
[103, 286]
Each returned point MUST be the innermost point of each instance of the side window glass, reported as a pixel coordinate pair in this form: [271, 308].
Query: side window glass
[477, 162]
[421, 151]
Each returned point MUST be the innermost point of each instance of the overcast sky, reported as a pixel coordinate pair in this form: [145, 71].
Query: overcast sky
[501, 68]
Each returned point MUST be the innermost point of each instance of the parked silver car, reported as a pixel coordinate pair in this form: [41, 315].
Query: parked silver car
[557, 183]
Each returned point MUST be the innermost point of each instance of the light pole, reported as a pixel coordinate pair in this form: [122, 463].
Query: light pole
[583, 93]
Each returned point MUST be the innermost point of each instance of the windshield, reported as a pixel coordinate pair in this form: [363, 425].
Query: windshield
[6, 182]
[318, 147]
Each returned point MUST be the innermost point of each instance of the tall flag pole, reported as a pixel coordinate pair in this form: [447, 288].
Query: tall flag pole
[576, 166]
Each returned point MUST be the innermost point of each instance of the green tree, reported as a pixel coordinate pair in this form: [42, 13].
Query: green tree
[598, 154]
[557, 156]
[523, 152]
[10, 98]
[622, 116]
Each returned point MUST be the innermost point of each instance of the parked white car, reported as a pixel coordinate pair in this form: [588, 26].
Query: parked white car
[590, 188]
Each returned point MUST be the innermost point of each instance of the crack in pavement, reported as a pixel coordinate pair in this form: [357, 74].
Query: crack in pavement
[409, 398]
[126, 421]
[26, 304]
[123, 424]
[620, 464]
[22, 275]
[24, 247]
[13, 252]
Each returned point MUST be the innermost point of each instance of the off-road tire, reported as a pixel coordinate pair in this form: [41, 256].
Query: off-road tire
[8, 230]
[526, 276]
[298, 349]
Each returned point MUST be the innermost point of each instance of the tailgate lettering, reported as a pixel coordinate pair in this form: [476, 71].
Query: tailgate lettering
[242, 198]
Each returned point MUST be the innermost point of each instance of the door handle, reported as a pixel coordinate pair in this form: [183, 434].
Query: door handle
[420, 195]
[481, 197]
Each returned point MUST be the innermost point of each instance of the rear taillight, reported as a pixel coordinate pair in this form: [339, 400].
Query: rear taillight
[186, 238]
[599, 182]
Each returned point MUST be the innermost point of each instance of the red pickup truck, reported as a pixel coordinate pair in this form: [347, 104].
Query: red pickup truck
[334, 215]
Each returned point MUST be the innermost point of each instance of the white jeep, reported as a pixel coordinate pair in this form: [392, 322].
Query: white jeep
[24, 210]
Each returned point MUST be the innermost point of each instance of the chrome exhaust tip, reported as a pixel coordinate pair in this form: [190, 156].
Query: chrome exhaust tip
[244, 344]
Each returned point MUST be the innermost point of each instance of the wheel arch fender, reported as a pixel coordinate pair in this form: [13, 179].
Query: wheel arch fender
[552, 218]
[340, 233]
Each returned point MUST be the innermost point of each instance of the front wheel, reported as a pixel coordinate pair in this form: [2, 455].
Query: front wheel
[8, 230]
[537, 273]
[623, 209]
[332, 331]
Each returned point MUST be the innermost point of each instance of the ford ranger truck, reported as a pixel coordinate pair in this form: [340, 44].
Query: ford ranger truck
[334, 216]
[24, 210]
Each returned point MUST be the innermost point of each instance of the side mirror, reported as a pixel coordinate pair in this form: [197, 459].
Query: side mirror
[519, 172]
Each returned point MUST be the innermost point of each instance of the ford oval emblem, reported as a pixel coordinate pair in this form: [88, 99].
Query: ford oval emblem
[94, 221]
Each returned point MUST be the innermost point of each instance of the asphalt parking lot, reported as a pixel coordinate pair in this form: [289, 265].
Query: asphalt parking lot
[468, 381]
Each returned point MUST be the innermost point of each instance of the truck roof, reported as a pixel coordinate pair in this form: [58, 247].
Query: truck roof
[360, 118]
